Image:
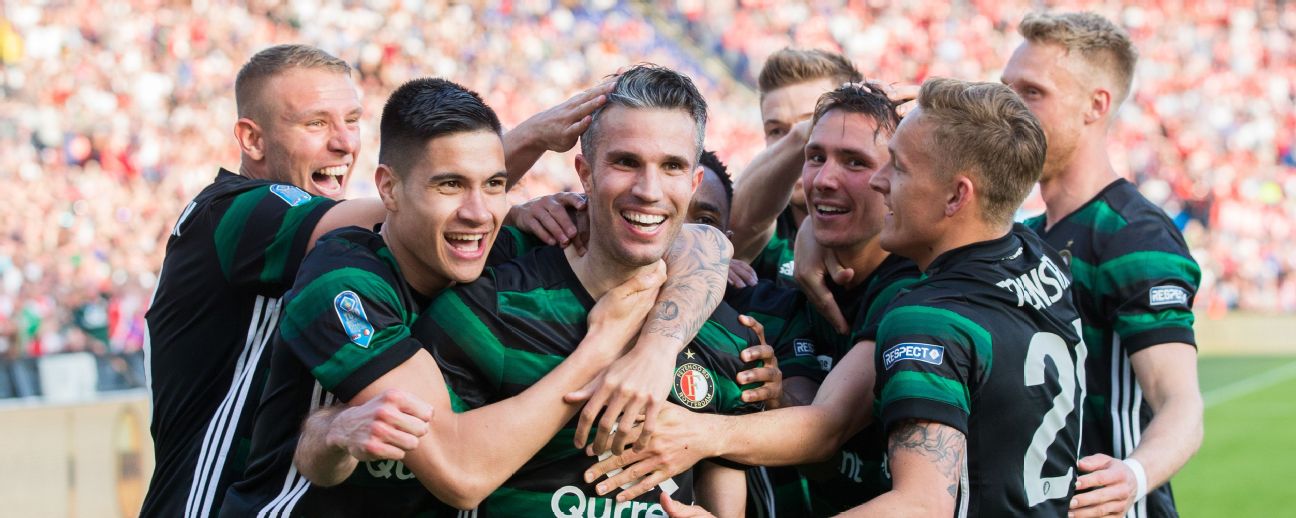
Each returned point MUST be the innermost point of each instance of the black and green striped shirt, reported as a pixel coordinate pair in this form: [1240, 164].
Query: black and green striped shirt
[231, 256]
[1135, 282]
[988, 343]
[775, 261]
[497, 336]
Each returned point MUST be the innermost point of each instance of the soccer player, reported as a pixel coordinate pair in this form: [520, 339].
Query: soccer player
[346, 324]
[237, 246]
[769, 202]
[847, 145]
[1134, 277]
[494, 337]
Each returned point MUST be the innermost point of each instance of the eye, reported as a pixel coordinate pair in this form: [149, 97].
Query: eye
[495, 185]
[858, 164]
[317, 123]
[775, 132]
[815, 158]
[706, 220]
[450, 184]
[626, 162]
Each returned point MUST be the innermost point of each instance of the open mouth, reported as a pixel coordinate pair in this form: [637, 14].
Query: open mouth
[642, 221]
[467, 242]
[830, 210]
[329, 180]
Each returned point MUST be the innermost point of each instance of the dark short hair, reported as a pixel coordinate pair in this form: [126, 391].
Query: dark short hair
[865, 98]
[273, 61]
[985, 129]
[790, 66]
[710, 161]
[424, 109]
[651, 86]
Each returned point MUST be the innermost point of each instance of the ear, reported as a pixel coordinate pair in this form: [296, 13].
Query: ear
[248, 135]
[697, 178]
[388, 183]
[1100, 104]
[963, 194]
[585, 172]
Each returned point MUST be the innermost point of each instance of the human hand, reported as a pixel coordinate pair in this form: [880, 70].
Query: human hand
[768, 374]
[810, 269]
[548, 218]
[741, 274]
[383, 428]
[1107, 488]
[678, 510]
[675, 447]
[559, 127]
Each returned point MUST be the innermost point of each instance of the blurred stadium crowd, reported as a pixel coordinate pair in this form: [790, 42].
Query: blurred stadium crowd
[115, 113]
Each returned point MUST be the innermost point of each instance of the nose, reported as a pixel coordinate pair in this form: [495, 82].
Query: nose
[828, 177]
[475, 209]
[647, 186]
[881, 180]
[345, 139]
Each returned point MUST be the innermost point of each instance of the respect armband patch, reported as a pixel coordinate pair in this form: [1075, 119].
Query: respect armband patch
[1167, 296]
[926, 353]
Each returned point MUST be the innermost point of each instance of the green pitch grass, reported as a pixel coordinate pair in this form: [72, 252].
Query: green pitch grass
[1247, 463]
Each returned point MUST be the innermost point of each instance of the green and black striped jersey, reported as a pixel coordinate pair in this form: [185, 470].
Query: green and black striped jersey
[497, 336]
[346, 323]
[775, 261]
[231, 256]
[991, 326]
[1134, 283]
[808, 346]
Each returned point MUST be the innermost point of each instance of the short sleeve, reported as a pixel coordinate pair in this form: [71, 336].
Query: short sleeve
[263, 233]
[1147, 281]
[349, 327]
[926, 360]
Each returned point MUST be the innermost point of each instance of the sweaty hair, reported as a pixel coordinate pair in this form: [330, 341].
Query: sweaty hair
[1101, 43]
[866, 98]
[651, 86]
[273, 61]
[424, 109]
[794, 66]
[710, 161]
[984, 128]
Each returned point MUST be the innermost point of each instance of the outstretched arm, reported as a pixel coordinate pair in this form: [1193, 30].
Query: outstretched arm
[764, 189]
[465, 456]
[636, 385]
[843, 406]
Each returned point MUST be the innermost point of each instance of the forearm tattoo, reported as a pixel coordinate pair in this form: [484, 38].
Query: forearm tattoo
[698, 268]
[941, 445]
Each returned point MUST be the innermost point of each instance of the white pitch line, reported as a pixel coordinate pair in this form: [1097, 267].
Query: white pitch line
[1241, 388]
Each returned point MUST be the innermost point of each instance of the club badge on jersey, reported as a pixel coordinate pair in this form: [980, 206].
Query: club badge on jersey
[290, 194]
[693, 385]
[352, 315]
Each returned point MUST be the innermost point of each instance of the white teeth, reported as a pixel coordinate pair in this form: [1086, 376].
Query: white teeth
[465, 242]
[830, 210]
[335, 170]
[465, 237]
[643, 219]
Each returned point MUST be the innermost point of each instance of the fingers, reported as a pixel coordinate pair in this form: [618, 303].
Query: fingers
[762, 352]
[736, 280]
[741, 274]
[1111, 475]
[759, 375]
[649, 427]
[627, 432]
[612, 463]
[1094, 462]
[611, 417]
[645, 485]
[588, 414]
[756, 327]
[409, 404]
[581, 395]
[548, 228]
[823, 301]
[765, 392]
[1108, 501]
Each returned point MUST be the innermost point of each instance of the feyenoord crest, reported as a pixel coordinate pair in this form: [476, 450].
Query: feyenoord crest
[352, 314]
[693, 385]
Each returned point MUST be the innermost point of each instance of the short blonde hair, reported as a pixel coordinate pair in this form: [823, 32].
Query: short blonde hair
[1100, 42]
[790, 66]
[986, 129]
[273, 61]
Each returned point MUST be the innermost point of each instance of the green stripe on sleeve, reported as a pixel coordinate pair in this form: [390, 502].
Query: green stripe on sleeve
[317, 297]
[946, 326]
[484, 348]
[924, 385]
[1140, 267]
[350, 357]
[1130, 325]
[230, 229]
[559, 306]
[277, 254]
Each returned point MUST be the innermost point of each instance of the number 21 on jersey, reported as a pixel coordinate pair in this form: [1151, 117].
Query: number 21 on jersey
[1051, 346]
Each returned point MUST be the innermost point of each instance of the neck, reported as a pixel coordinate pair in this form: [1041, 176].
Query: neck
[972, 229]
[862, 259]
[799, 214]
[1088, 172]
[252, 170]
[597, 273]
[418, 275]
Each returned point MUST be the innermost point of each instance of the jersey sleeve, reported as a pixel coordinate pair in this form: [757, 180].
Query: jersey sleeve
[264, 232]
[884, 290]
[510, 244]
[456, 325]
[349, 327]
[1148, 281]
[928, 358]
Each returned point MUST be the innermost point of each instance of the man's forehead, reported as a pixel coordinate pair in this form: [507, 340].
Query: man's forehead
[643, 131]
[848, 130]
[302, 90]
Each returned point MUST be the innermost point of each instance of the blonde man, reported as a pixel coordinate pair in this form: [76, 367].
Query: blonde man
[1134, 278]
